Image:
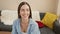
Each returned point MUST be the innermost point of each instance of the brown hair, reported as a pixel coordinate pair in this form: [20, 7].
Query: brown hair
[0, 12]
[19, 7]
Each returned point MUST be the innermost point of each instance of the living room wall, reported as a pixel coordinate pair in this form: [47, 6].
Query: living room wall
[58, 9]
[39, 5]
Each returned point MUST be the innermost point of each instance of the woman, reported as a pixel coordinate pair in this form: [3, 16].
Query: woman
[24, 24]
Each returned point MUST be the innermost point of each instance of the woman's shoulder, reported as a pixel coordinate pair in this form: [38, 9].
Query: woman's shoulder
[16, 21]
[33, 22]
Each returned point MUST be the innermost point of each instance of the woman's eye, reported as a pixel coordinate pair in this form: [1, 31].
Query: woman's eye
[27, 9]
[22, 10]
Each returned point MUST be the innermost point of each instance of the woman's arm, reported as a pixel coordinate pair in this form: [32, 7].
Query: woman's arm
[35, 30]
[14, 30]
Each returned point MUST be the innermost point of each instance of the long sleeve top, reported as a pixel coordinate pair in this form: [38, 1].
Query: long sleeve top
[32, 27]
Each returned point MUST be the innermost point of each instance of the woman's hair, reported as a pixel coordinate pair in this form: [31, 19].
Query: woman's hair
[0, 12]
[19, 7]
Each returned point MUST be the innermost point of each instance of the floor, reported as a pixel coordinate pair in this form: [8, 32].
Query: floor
[3, 32]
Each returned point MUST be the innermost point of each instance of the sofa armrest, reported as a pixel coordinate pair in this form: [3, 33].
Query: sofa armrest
[6, 28]
[56, 27]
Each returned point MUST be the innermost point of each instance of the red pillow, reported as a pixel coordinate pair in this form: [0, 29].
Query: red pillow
[40, 24]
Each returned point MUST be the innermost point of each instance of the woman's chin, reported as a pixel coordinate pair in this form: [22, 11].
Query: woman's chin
[25, 18]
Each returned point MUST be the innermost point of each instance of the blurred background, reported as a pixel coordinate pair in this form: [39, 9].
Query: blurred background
[41, 6]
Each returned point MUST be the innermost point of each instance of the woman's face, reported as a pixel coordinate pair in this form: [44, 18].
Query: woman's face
[25, 12]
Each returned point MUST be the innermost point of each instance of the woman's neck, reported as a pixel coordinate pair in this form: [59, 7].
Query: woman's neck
[24, 20]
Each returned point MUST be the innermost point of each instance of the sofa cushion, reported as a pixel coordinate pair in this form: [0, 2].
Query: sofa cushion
[40, 24]
[35, 15]
[8, 16]
[49, 19]
[42, 15]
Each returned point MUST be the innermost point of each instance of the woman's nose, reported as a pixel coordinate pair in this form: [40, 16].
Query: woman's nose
[25, 11]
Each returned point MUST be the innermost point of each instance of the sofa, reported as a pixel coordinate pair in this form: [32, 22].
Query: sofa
[43, 30]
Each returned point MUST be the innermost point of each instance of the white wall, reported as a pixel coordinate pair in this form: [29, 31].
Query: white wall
[58, 10]
[40, 5]
[8, 4]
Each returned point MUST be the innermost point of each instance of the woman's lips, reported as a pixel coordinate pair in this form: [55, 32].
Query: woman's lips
[24, 15]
